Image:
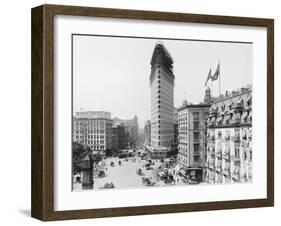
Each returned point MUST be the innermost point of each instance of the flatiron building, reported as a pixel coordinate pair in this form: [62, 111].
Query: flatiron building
[162, 101]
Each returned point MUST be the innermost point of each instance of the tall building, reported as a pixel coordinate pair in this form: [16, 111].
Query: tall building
[131, 128]
[176, 130]
[147, 133]
[192, 141]
[229, 133]
[162, 101]
[119, 137]
[93, 129]
[141, 136]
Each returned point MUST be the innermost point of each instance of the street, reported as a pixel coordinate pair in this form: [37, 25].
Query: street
[123, 173]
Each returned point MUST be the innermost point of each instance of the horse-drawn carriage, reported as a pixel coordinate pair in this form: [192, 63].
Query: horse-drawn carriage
[101, 173]
[147, 181]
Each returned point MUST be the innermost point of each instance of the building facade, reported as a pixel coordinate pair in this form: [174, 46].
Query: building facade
[229, 134]
[176, 130]
[131, 129]
[192, 141]
[119, 137]
[93, 129]
[162, 101]
[147, 133]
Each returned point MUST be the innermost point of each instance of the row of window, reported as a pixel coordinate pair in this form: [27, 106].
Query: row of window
[247, 154]
[83, 123]
[90, 137]
[97, 147]
[95, 142]
[89, 131]
[196, 148]
[89, 127]
[195, 116]
[185, 161]
[196, 126]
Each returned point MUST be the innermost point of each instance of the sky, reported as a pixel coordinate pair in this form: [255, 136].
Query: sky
[112, 73]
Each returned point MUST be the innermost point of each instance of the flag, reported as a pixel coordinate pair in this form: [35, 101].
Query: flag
[217, 73]
[209, 76]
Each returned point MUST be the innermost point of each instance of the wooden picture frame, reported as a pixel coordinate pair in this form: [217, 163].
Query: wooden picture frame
[42, 203]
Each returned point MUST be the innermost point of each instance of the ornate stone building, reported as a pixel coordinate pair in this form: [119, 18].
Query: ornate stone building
[229, 134]
[162, 101]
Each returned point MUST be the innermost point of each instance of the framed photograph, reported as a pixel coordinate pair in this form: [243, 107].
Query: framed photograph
[141, 112]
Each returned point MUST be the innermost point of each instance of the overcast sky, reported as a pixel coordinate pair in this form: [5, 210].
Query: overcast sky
[112, 73]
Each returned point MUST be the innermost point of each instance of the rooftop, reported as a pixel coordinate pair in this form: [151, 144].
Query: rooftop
[92, 114]
[200, 105]
[232, 94]
[162, 56]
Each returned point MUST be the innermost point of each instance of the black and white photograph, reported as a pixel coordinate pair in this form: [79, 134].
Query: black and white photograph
[150, 112]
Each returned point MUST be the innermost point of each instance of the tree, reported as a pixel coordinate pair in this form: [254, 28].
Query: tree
[108, 152]
[79, 152]
[173, 152]
[97, 157]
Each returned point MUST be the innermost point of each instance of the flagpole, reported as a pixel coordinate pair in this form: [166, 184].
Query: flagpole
[212, 86]
[220, 84]
[211, 81]
[220, 77]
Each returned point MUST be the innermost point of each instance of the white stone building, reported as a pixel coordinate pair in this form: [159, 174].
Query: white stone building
[192, 142]
[93, 129]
